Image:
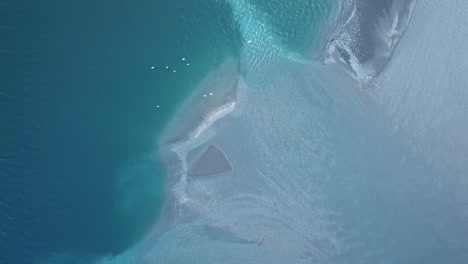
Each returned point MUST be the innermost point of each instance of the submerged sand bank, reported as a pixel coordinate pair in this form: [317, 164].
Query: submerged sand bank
[212, 99]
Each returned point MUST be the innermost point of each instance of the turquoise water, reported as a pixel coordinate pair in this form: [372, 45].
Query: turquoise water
[296, 25]
[78, 101]
[340, 149]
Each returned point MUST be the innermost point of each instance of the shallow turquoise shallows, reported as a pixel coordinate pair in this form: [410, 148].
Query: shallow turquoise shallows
[87, 87]
[79, 100]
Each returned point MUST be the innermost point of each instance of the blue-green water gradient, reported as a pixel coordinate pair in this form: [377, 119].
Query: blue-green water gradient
[78, 99]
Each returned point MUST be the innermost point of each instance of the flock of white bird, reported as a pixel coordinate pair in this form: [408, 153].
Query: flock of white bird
[167, 67]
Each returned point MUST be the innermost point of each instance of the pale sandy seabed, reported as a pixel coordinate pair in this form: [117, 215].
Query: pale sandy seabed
[359, 156]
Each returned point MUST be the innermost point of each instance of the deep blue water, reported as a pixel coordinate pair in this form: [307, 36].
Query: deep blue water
[79, 124]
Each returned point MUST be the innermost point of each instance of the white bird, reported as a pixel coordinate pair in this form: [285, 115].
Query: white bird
[152, 67]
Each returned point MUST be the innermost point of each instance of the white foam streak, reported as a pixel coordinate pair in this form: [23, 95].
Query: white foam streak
[212, 117]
